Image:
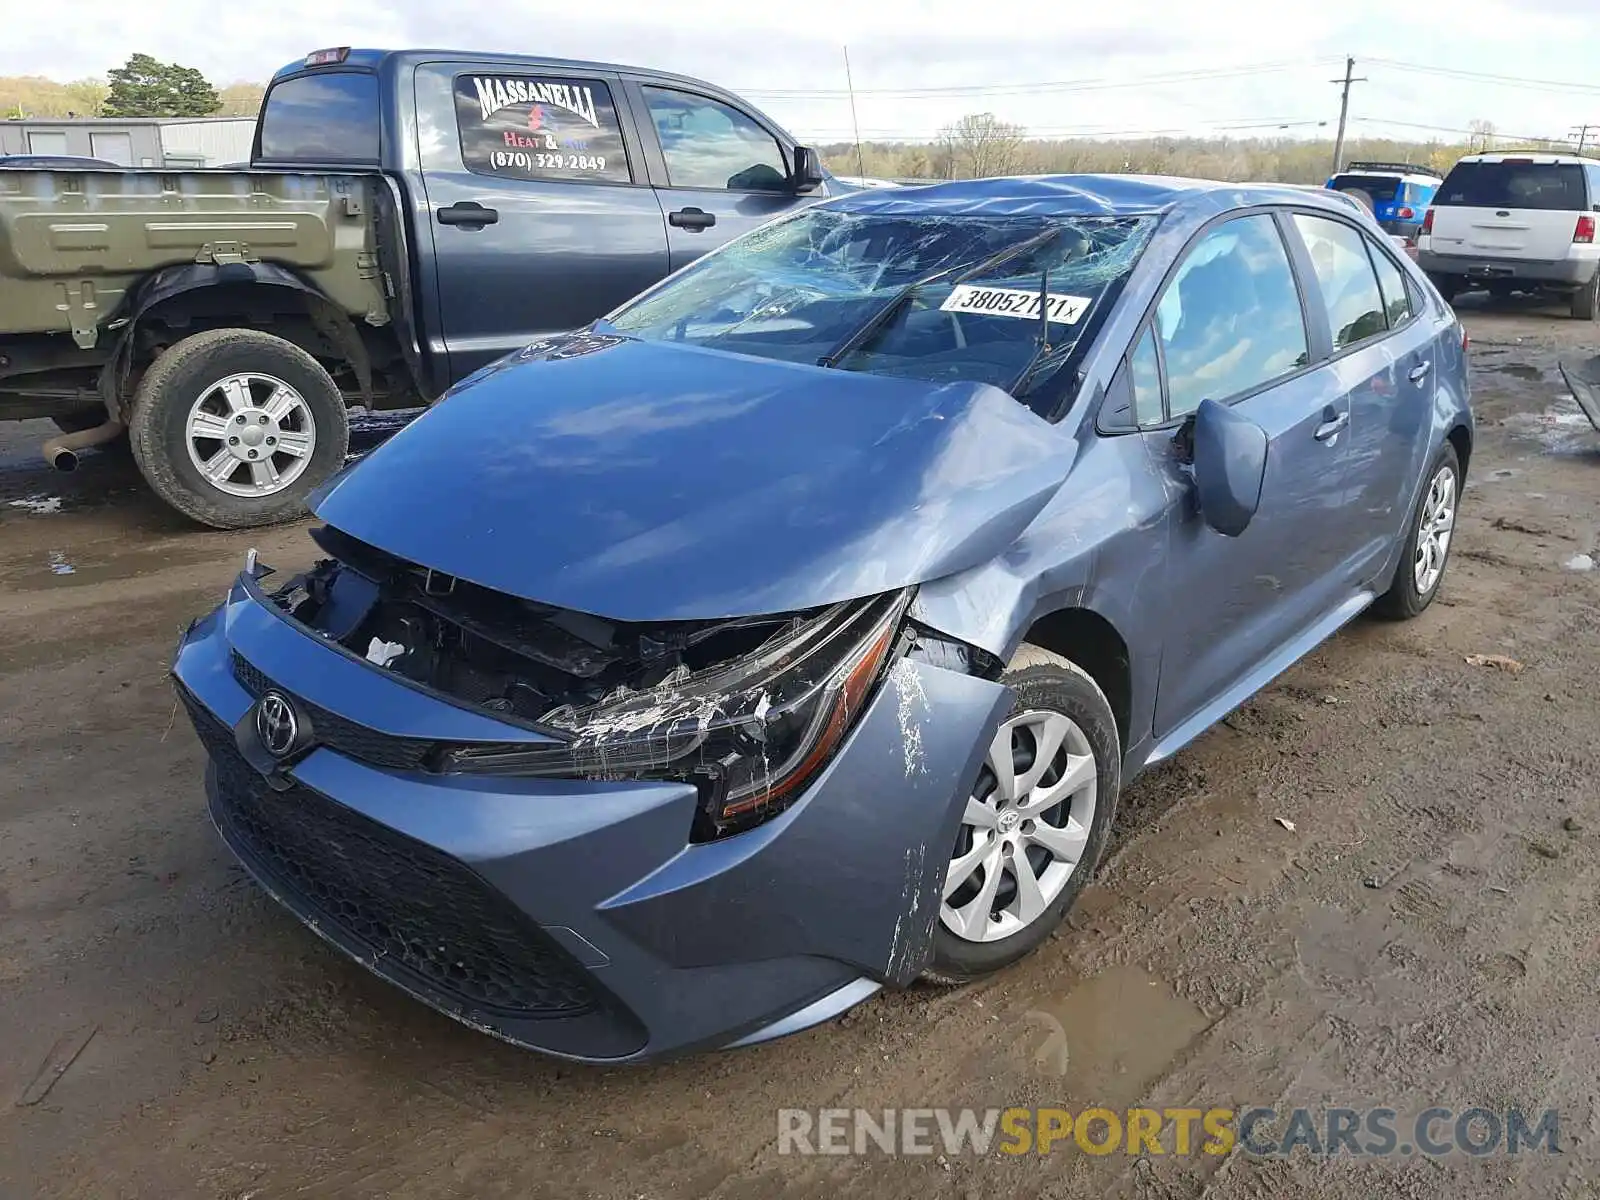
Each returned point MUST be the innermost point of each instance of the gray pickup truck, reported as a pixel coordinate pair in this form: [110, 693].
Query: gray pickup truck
[408, 216]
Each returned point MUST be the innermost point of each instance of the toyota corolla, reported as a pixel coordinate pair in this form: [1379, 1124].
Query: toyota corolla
[790, 633]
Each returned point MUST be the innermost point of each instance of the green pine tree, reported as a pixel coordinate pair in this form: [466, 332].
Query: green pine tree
[147, 87]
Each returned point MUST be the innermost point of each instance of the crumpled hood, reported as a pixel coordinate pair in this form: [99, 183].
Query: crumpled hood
[650, 482]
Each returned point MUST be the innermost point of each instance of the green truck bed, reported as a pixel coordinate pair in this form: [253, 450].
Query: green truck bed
[73, 242]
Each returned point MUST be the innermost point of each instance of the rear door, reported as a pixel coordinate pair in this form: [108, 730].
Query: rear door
[1512, 207]
[1231, 326]
[539, 203]
[720, 171]
[1382, 359]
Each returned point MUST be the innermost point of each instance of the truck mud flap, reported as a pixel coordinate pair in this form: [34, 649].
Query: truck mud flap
[1585, 385]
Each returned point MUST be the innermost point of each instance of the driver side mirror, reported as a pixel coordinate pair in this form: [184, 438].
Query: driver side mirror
[807, 175]
[1229, 453]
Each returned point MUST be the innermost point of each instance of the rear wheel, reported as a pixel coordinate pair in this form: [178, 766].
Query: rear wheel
[1586, 300]
[1447, 285]
[234, 427]
[1036, 822]
[1427, 548]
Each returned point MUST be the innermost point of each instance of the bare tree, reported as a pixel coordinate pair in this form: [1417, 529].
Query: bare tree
[980, 145]
[1482, 134]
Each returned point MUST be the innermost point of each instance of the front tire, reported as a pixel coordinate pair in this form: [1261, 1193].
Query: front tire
[1036, 823]
[234, 427]
[1426, 553]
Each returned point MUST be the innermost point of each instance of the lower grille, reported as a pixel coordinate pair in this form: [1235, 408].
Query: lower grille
[417, 911]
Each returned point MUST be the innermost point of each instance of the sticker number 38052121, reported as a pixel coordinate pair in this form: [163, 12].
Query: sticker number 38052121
[1013, 302]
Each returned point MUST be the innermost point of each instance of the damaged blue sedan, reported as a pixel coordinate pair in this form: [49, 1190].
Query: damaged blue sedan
[790, 633]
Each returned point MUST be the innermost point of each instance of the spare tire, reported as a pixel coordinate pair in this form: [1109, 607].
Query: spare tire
[1362, 197]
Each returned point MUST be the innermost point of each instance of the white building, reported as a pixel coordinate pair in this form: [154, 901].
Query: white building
[134, 141]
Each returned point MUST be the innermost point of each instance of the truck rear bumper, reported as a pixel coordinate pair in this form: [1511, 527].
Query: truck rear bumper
[1573, 272]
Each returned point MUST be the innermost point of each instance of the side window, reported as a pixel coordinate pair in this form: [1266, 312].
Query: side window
[1345, 278]
[540, 128]
[1144, 370]
[1391, 281]
[1230, 318]
[708, 144]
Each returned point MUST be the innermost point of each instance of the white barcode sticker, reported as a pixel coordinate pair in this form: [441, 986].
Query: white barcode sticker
[1013, 302]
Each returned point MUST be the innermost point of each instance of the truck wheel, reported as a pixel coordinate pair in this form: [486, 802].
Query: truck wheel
[1446, 285]
[1586, 300]
[234, 427]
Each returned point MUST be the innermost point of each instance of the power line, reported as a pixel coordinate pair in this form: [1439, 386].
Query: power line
[1513, 137]
[1538, 85]
[1201, 74]
[1076, 132]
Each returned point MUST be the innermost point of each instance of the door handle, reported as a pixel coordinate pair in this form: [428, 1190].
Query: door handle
[469, 214]
[692, 219]
[1419, 372]
[1332, 426]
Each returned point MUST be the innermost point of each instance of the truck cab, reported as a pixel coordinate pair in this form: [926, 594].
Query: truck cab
[1400, 192]
[540, 193]
[406, 218]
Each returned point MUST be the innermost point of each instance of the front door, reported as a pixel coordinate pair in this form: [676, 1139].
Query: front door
[721, 172]
[539, 206]
[1229, 327]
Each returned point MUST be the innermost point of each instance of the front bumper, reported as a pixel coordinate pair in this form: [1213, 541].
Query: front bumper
[571, 916]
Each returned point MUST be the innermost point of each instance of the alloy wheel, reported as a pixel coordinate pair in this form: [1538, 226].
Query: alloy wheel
[1435, 525]
[1025, 828]
[250, 435]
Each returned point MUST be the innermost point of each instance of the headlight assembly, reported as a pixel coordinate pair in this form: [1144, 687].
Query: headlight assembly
[750, 734]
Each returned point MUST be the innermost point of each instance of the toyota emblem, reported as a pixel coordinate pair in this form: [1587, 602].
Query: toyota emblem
[276, 725]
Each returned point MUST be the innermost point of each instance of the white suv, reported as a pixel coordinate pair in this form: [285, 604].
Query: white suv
[1516, 221]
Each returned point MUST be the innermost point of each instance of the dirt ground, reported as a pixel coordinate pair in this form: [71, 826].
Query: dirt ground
[1425, 934]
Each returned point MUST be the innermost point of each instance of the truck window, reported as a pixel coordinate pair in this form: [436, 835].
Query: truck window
[1509, 184]
[708, 144]
[541, 127]
[329, 116]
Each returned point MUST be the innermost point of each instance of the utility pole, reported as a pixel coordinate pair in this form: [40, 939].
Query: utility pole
[1344, 110]
[854, 124]
[1581, 132]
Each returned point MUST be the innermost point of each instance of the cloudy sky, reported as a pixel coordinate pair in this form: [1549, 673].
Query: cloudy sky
[1128, 66]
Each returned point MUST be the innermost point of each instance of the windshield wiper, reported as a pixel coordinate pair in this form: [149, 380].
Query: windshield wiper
[869, 328]
[1041, 345]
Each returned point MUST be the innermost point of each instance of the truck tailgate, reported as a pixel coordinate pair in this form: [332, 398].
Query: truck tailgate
[72, 242]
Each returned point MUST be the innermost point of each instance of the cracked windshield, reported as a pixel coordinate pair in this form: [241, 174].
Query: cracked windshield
[944, 299]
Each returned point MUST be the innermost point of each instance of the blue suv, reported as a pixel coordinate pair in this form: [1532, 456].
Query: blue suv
[1399, 192]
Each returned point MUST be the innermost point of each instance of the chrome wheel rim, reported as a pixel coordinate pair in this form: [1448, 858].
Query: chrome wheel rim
[250, 435]
[1434, 527]
[1025, 828]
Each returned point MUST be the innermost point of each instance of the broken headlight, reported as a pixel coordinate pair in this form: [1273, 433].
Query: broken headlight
[749, 734]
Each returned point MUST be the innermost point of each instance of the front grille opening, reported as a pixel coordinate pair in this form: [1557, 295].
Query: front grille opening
[419, 914]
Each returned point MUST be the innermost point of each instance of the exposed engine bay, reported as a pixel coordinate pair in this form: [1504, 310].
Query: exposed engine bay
[513, 657]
